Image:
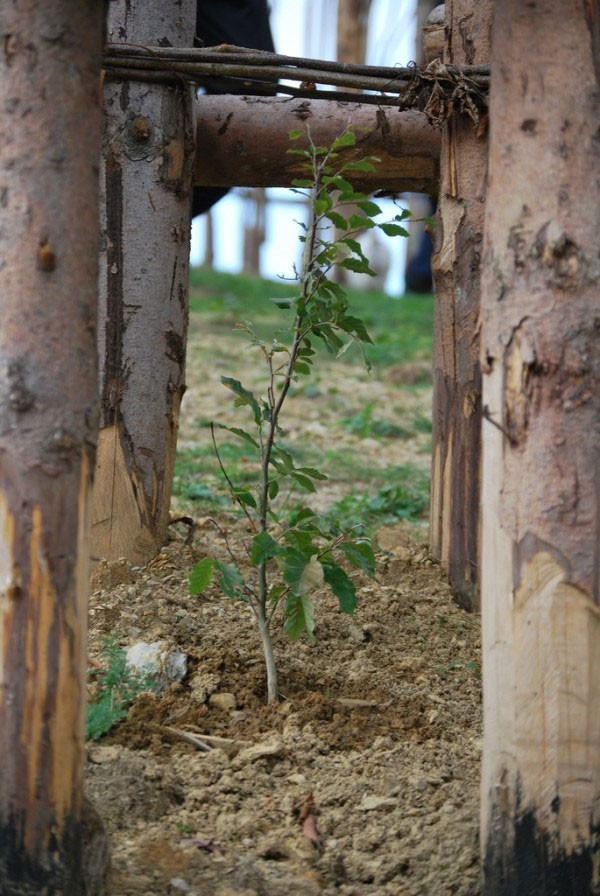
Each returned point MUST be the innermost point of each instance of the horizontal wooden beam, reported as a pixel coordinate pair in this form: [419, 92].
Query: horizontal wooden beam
[242, 141]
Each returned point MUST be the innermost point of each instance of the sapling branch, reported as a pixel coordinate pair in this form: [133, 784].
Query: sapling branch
[227, 479]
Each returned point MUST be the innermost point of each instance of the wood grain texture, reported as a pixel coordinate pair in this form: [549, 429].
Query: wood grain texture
[454, 531]
[50, 65]
[146, 175]
[243, 142]
[541, 460]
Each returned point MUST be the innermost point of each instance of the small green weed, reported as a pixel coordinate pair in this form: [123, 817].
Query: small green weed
[472, 666]
[405, 496]
[116, 687]
[366, 425]
[401, 329]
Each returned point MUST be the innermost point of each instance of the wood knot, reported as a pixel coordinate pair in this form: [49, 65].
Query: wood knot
[141, 129]
[46, 257]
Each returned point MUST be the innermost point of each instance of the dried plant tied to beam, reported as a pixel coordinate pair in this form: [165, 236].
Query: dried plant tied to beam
[438, 90]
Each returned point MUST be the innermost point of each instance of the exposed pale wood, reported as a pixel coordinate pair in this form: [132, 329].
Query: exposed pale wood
[540, 820]
[229, 153]
[118, 512]
[50, 65]
[432, 24]
[146, 178]
[454, 529]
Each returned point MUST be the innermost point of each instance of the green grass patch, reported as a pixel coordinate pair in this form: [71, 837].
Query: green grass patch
[116, 687]
[401, 329]
[404, 496]
[366, 425]
[197, 476]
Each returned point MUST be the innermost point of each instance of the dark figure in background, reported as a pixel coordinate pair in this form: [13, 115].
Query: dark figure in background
[418, 276]
[243, 23]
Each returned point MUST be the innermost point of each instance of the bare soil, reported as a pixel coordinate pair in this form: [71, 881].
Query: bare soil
[363, 781]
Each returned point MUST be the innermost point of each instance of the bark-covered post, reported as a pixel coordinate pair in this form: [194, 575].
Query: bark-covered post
[50, 64]
[456, 263]
[541, 454]
[146, 177]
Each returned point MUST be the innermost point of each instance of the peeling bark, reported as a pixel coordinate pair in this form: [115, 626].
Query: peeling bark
[148, 149]
[50, 63]
[455, 487]
[541, 458]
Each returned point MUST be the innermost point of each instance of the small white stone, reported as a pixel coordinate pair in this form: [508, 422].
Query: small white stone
[373, 803]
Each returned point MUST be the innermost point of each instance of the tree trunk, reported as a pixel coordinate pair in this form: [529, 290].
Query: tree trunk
[352, 30]
[456, 272]
[541, 457]
[352, 33]
[50, 66]
[145, 222]
[255, 213]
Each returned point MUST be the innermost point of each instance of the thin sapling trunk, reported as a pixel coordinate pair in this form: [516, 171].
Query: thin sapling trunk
[295, 554]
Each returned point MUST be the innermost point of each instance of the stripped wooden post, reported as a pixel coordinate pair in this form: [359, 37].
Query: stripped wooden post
[146, 178]
[455, 476]
[50, 64]
[541, 458]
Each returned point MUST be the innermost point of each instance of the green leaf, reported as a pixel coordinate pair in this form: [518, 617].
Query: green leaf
[303, 481]
[322, 204]
[393, 230]
[361, 222]
[275, 592]
[201, 575]
[358, 265]
[301, 368]
[348, 138]
[338, 220]
[283, 303]
[361, 555]
[301, 540]
[314, 474]
[302, 573]
[244, 397]
[312, 577]
[299, 617]
[273, 489]
[352, 244]
[406, 213]
[239, 432]
[343, 185]
[303, 182]
[231, 581]
[331, 339]
[263, 548]
[293, 135]
[282, 459]
[342, 586]
[244, 497]
[369, 208]
[362, 165]
[355, 326]
[302, 515]
[338, 291]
